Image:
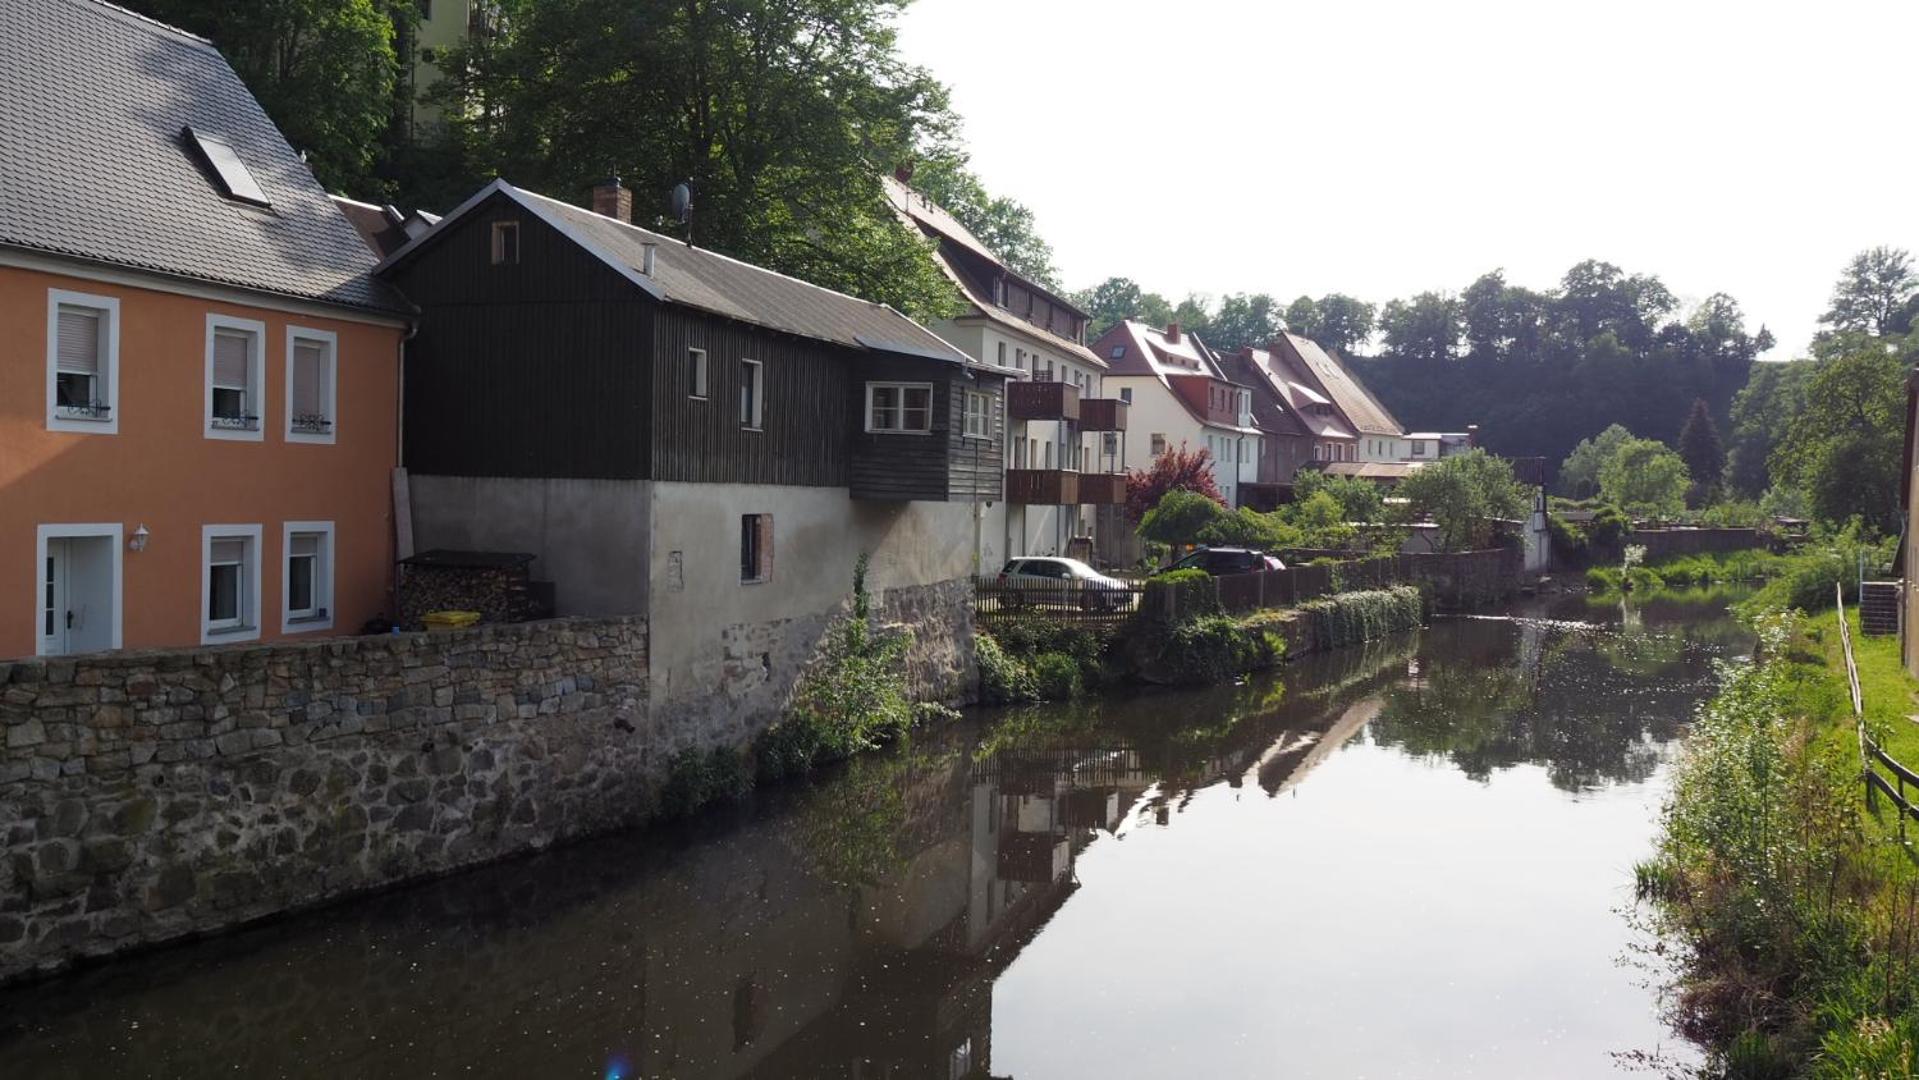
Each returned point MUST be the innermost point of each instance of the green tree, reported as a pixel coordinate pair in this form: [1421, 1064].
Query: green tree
[1761, 413]
[1502, 322]
[324, 71]
[1182, 517]
[1322, 521]
[1178, 469]
[1003, 225]
[1845, 446]
[1117, 299]
[1579, 473]
[1424, 331]
[1336, 321]
[1464, 495]
[1872, 293]
[1700, 448]
[782, 115]
[1359, 500]
[1242, 320]
[1645, 478]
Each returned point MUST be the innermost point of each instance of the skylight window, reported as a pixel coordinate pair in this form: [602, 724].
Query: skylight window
[226, 164]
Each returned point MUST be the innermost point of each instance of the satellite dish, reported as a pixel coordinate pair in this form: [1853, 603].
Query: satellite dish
[683, 202]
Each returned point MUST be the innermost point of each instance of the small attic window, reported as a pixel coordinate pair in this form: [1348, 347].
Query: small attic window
[226, 164]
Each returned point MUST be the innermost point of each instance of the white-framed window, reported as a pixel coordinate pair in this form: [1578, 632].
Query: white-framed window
[229, 583]
[979, 415]
[1002, 354]
[752, 394]
[696, 373]
[313, 382]
[236, 375]
[1109, 443]
[1126, 394]
[756, 548]
[306, 585]
[1159, 445]
[506, 243]
[83, 362]
[899, 408]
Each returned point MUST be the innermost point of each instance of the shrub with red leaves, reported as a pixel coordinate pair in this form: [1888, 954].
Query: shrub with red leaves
[1175, 470]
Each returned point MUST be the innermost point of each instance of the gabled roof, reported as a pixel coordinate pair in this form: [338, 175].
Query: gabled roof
[95, 162]
[1273, 371]
[1271, 411]
[709, 281]
[1147, 352]
[933, 220]
[1361, 409]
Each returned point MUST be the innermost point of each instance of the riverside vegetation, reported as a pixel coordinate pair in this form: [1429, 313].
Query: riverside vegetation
[1794, 906]
[1035, 659]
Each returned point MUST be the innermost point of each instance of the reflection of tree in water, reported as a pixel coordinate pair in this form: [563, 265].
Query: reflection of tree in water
[863, 823]
[1591, 706]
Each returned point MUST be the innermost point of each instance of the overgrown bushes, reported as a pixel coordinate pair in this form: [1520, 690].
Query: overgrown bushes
[1797, 930]
[1350, 618]
[1038, 659]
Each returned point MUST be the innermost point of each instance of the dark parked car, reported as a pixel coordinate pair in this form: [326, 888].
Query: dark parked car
[1227, 560]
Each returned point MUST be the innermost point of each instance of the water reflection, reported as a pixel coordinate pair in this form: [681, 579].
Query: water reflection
[861, 926]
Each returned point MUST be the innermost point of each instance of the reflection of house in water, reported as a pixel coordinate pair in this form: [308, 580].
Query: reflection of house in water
[854, 932]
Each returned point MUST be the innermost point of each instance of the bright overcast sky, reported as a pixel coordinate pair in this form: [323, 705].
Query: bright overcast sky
[1381, 149]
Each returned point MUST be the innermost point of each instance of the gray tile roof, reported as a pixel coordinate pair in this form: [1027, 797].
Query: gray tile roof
[709, 281]
[93, 99]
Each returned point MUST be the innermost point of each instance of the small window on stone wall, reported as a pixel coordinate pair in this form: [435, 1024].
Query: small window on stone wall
[756, 547]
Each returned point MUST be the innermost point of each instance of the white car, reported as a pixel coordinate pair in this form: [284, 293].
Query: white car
[1050, 578]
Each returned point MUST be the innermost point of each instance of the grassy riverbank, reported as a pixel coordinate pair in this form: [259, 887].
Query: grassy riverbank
[1796, 909]
[1037, 659]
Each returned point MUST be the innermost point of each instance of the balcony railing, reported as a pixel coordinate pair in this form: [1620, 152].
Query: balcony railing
[1042, 487]
[236, 423]
[1102, 489]
[1042, 401]
[1102, 414]
[305, 424]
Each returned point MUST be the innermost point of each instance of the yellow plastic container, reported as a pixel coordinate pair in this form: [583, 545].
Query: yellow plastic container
[449, 620]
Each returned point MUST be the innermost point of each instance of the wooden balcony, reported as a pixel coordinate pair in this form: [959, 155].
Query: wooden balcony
[1042, 487]
[1102, 489]
[1042, 401]
[1102, 414]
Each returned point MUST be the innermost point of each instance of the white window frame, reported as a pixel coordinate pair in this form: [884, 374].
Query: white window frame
[902, 387]
[332, 383]
[697, 385]
[109, 307]
[984, 414]
[320, 616]
[498, 247]
[248, 625]
[256, 378]
[47, 533]
[753, 373]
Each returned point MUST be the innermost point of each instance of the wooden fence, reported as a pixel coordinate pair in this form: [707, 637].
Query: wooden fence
[1874, 763]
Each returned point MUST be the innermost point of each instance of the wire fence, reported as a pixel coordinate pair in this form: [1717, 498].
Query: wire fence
[1062, 600]
[1874, 763]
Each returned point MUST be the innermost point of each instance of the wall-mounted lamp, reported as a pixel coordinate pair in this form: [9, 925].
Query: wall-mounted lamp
[138, 542]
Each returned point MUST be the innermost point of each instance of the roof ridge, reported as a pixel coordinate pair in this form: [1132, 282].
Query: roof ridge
[151, 21]
[714, 252]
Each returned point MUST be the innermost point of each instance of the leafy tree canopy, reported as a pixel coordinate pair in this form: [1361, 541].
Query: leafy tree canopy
[1579, 475]
[1181, 517]
[324, 70]
[1645, 479]
[1845, 445]
[1336, 321]
[1761, 413]
[1178, 469]
[1359, 501]
[1871, 295]
[1463, 495]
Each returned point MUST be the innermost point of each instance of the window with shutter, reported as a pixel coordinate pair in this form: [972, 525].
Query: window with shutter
[312, 377]
[234, 377]
[227, 600]
[82, 382]
[307, 587]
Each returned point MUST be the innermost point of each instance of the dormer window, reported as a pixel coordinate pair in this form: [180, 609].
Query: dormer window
[236, 180]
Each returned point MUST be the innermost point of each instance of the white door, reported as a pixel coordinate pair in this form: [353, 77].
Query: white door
[78, 595]
[53, 600]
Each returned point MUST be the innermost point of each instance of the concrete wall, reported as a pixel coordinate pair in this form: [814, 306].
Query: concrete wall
[728, 652]
[146, 795]
[588, 535]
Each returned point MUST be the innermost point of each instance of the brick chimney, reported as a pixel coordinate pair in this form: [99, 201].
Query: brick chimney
[612, 200]
[1172, 332]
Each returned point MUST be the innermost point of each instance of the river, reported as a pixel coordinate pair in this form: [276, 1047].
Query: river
[1412, 859]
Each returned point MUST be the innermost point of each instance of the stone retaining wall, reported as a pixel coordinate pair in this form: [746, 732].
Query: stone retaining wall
[148, 795]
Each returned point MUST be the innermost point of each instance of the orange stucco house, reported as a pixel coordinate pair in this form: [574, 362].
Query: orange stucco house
[198, 378]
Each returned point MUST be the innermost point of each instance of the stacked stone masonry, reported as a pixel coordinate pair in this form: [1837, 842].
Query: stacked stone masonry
[144, 796]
